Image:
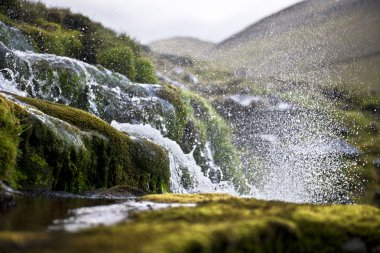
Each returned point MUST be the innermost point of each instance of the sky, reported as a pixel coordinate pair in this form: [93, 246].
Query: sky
[150, 20]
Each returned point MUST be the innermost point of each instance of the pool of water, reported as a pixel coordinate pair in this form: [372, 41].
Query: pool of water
[38, 213]
[72, 213]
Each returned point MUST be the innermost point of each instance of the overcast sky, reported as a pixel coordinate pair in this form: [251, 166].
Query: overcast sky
[149, 20]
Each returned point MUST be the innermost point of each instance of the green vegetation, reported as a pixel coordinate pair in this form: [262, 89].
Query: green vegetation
[144, 71]
[120, 60]
[219, 223]
[75, 151]
[61, 32]
[216, 131]
[9, 140]
[51, 38]
[196, 123]
[364, 125]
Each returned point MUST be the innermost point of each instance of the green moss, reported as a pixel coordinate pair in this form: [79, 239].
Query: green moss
[186, 198]
[50, 38]
[9, 140]
[195, 123]
[145, 71]
[371, 104]
[363, 133]
[120, 59]
[219, 223]
[77, 151]
[219, 135]
[61, 32]
[176, 125]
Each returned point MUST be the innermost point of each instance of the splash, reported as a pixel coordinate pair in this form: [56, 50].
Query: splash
[291, 153]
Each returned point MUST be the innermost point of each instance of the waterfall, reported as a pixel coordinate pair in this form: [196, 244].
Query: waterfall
[186, 175]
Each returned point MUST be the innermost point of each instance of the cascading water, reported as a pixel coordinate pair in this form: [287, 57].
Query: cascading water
[111, 96]
[195, 181]
[289, 153]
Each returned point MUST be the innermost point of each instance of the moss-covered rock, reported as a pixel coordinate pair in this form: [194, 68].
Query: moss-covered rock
[145, 71]
[9, 139]
[62, 148]
[119, 59]
[50, 38]
[61, 32]
[219, 223]
[195, 123]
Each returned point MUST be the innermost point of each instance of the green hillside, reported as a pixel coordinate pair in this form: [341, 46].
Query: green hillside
[61, 32]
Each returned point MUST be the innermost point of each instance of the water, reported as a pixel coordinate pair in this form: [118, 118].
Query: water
[289, 152]
[38, 213]
[182, 166]
[72, 213]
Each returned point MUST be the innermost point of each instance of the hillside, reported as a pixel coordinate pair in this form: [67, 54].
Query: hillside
[182, 46]
[317, 41]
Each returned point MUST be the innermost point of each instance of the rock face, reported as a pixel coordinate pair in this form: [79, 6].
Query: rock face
[6, 197]
[14, 39]
[67, 149]
[77, 84]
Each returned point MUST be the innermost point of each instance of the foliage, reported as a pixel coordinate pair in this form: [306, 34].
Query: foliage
[119, 59]
[61, 32]
[145, 71]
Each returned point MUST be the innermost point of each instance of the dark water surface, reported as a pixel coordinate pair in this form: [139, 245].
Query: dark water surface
[37, 213]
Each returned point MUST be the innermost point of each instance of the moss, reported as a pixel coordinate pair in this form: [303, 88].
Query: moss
[77, 151]
[371, 104]
[120, 59]
[145, 72]
[195, 123]
[186, 198]
[9, 139]
[177, 124]
[49, 37]
[219, 223]
[61, 32]
[219, 135]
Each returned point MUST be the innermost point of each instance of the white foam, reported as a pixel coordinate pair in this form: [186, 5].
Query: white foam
[178, 161]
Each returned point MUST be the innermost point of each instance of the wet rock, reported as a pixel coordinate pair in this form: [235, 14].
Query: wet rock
[343, 131]
[343, 148]
[354, 245]
[6, 197]
[6, 200]
[177, 60]
[376, 163]
[189, 138]
[376, 198]
[14, 38]
[191, 79]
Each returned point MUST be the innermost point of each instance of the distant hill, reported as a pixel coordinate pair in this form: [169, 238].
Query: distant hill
[182, 46]
[316, 40]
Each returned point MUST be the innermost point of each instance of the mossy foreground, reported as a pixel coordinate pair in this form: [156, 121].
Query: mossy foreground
[219, 223]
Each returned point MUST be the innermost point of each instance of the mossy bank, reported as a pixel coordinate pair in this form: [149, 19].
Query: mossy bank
[66, 149]
[61, 32]
[219, 223]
